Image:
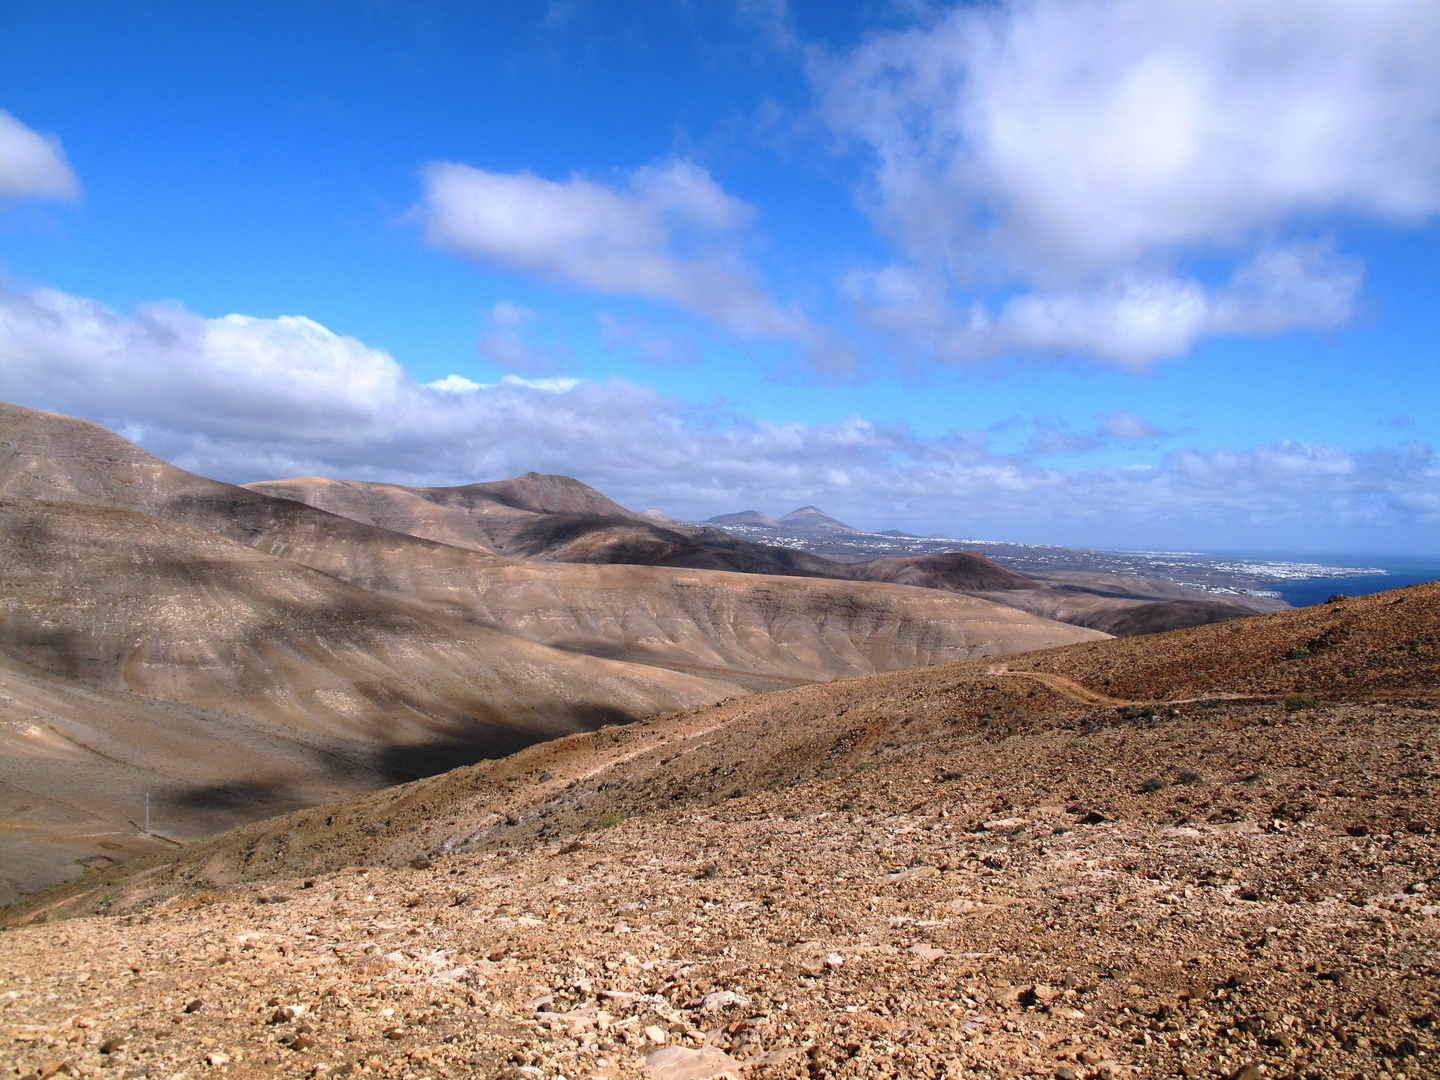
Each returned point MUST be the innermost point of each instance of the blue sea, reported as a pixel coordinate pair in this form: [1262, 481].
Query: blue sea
[1399, 572]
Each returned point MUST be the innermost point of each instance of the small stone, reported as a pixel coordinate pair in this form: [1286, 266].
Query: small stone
[195, 1006]
[1247, 1072]
[682, 1063]
[655, 1035]
[395, 1034]
[1091, 1057]
[301, 1043]
[720, 1000]
[109, 1046]
[1094, 817]
[1064, 1073]
[217, 1057]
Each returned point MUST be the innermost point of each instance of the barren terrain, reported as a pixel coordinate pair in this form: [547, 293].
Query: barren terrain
[1211, 852]
[235, 655]
[558, 520]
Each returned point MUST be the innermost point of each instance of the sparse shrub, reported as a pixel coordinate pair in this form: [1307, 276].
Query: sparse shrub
[1297, 653]
[1154, 784]
[609, 821]
[1299, 702]
[1189, 776]
[865, 766]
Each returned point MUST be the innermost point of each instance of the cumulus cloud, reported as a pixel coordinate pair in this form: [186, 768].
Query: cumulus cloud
[1064, 158]
[244, 398]
[669, 233]
[33, 165]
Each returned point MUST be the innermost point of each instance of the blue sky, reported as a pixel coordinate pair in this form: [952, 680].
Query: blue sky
[1095, 273]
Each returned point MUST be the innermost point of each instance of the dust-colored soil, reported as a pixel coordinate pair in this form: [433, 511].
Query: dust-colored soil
[949, 871]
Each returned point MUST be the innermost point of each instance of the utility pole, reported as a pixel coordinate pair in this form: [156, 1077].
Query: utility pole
[147, 813]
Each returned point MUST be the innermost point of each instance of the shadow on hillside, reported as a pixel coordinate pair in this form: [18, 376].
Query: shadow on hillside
[241, 796]
[401, 764]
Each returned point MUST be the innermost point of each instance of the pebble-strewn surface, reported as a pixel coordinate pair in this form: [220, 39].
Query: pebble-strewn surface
[878, 923]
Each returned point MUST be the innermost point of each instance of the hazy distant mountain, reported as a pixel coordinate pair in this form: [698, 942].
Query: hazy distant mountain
[745, 517]
[813, 519]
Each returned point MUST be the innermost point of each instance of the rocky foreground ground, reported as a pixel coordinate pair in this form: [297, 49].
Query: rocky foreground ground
[964, 870]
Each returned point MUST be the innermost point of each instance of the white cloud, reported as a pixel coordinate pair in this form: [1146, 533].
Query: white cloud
[33, 165]
[454, 384]
[669, 233]
[243, 398]
[1129, 320]
[1081, 150]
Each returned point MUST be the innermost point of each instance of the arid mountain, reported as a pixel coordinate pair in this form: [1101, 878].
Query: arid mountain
[347, 655]
[1209, 852]
[813, 519]
[545, 518]
[586, 527]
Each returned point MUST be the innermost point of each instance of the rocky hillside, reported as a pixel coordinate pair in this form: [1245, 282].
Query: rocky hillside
[1212, 852]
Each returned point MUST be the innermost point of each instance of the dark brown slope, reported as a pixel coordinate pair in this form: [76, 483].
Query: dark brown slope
[1154, 617]
[958, 571]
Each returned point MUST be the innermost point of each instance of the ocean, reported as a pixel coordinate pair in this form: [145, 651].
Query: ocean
[1399, 572]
